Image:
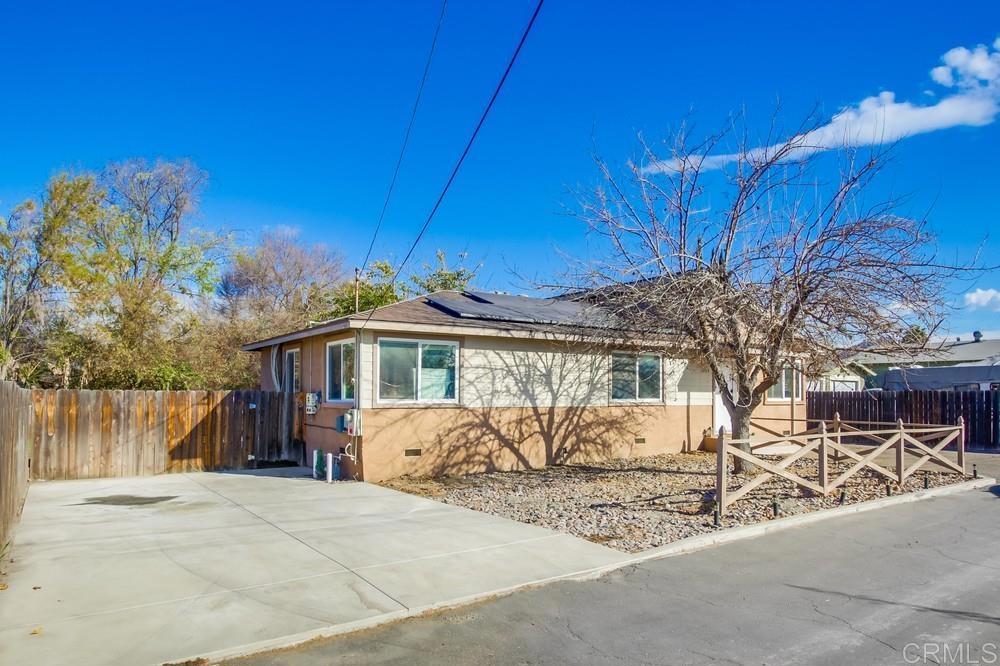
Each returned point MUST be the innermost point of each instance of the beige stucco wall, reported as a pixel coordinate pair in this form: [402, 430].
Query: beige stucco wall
[521, 403]
[475, 439]
[778, 416]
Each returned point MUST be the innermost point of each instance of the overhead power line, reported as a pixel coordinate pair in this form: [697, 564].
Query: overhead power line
[465, 151]
[472, 139]
[406, 134]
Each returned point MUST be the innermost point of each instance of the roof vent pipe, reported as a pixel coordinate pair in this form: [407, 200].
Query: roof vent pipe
[977, 336]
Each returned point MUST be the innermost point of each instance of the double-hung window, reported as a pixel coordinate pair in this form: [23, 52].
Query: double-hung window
[789, 384]
[636, 377]
[339, 371]
[417, 371]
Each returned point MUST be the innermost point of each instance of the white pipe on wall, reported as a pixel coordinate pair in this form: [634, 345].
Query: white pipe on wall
[274, 367]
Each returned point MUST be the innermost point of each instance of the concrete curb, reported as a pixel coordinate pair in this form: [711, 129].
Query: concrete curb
[681, 547]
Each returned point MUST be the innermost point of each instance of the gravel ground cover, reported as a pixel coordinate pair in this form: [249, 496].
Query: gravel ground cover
[640, 503]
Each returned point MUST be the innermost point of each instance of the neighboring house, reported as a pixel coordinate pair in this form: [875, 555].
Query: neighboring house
[984, 376]
[458, 382]
[940, 354]
[840, 380]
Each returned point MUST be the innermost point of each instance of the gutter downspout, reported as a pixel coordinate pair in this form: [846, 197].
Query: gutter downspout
[274, 367]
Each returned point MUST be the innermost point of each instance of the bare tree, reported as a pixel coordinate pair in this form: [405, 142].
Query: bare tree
[275, 286]
[283, 278]
[757, 258]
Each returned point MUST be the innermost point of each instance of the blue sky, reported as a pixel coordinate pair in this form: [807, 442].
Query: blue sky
[297, 110]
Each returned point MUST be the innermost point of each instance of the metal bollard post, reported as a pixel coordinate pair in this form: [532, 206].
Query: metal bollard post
[927, 481]
[843, 496]
[975, 472]
[329, 468]
[775, 507]
[718, 518]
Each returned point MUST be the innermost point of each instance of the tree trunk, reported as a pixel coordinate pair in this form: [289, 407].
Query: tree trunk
[741, 431]
[6, 370]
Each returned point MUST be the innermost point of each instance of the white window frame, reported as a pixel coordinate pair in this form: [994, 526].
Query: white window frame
[798, 379]
[834, 381]
[416, 400]
[326, 374]
[636, 399]
[297, 351]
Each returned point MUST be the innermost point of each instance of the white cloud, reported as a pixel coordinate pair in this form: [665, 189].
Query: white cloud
[973, 81]
[983, 299]
[943, 76]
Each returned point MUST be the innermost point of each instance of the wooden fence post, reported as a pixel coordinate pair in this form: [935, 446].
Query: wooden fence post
[836, 430]
[720, 470]
[960, 445]
[900, 450]
[821, 453]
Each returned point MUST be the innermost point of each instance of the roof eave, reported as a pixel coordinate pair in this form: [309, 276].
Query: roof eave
[331, 327]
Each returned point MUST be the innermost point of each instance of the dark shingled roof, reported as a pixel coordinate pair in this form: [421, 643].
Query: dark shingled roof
[472, 309]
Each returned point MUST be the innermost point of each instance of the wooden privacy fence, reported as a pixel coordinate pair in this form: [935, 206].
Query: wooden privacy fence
[92, 434]
[15, 438]
[979, 409]
[827, 442]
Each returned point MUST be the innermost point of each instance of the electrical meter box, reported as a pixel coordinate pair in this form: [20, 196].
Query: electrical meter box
[350, 422]
[312, 403]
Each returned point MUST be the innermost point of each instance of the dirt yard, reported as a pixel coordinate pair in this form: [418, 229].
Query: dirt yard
[640, 503]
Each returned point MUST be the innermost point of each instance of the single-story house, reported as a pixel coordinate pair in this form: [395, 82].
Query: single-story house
[983, 376]
[457, 382]
[840, 380]
[944, 353]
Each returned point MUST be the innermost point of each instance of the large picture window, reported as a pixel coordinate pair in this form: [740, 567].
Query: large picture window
[339, 371]
[417, 371]
[636, 377]
[788, 384]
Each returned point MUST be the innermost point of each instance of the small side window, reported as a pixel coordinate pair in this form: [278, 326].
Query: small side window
[339, 371]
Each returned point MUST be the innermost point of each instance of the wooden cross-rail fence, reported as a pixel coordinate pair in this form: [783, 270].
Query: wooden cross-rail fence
[80, 434]
[858, 444]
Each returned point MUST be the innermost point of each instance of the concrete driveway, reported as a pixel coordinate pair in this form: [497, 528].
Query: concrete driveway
[162, 569]
[912, 583]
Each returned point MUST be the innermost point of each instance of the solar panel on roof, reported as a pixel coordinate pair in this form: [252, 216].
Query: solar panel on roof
[506, 307]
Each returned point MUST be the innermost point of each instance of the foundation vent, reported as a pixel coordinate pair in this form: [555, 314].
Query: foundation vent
[409, 453]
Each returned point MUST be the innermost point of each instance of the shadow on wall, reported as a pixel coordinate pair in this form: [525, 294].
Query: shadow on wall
[523, 409]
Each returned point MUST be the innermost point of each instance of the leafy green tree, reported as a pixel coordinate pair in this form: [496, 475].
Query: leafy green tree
[36, 239]
[441, 278]
[132, 266]
[915, 335]
[374, 290]
[377, 286]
